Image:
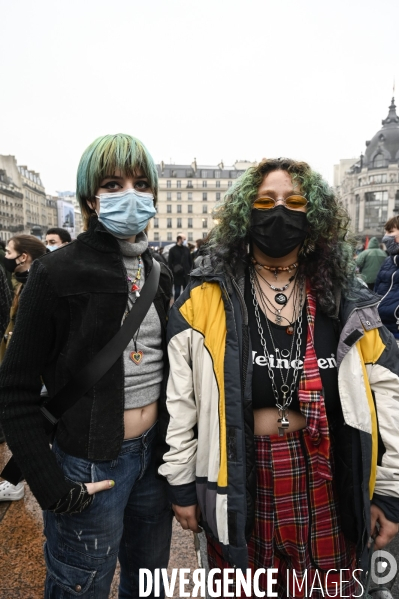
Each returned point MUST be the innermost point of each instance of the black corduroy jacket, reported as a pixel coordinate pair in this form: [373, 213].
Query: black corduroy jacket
[72, 305]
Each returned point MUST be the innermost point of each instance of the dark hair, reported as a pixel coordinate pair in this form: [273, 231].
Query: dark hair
[179, 237]
[28, 244]
[2, 244]
[63, 234]
[329, 264]
[392, 223]
[200, 243]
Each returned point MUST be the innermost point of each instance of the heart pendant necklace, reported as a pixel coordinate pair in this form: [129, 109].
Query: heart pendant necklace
[136, 356]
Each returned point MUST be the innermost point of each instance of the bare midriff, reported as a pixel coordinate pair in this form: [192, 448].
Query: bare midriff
[139, 420]
[265, 421]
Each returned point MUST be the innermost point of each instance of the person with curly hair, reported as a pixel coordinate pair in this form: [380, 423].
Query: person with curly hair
[283, 393]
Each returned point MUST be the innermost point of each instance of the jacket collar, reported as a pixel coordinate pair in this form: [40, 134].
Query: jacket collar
[99, 238]
[358, 297]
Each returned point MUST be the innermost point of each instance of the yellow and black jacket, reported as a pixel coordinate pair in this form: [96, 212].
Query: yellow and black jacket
[210, 458]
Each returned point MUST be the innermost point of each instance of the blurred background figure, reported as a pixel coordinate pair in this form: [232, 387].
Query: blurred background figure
[57, 237]
[198, 245]
[369, 262]
[20, 252]
[180, 263]
[8, 274]
[387, 281]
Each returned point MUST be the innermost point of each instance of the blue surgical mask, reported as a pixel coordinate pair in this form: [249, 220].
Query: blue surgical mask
[390, 244]
[126, 213]
[52, 247]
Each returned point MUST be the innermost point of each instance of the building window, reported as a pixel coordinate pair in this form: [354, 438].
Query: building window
[169, 223]
[189, 184]
[169, 208]
[179, 195]
[396, 208]
[178, 183]
[379, 161]
[190, 196]
[217, 196]
[156, 223]
[156, 236]
[230, 183]
[204, 183]
[204, 196]
[375, 210]
[178, 208]
[204, 223]
[190, 223]
[168, 236]
[204, 235]
[190, 236]
[357, 212]
[168, 183]
[179, 225]
[382, 178]
[190, 209]
[217, 183]
[217, 174]
[204, 174]
[169, 195]
[205, 209]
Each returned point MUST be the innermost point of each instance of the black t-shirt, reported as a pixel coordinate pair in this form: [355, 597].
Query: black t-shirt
[326, 342]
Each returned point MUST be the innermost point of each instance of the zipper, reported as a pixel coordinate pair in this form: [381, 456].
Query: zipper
[245, 355]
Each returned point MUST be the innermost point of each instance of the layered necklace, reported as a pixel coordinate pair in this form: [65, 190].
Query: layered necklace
[135, 356]
[283, 396]
[274, 269]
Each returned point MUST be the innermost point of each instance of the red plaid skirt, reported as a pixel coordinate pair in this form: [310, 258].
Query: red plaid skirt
[297, 527]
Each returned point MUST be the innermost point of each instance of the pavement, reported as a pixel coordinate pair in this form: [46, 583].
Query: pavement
[22, 570]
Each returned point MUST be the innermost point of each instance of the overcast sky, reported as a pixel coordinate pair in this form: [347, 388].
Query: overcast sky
[210, 79]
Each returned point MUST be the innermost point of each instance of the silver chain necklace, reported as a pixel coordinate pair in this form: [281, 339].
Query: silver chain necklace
[285, 389]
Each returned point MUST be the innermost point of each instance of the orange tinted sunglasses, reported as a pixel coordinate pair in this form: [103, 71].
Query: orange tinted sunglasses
[292, 202]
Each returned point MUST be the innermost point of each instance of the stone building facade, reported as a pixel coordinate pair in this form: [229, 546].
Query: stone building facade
[11, 199]
[187, 196]
[369, 187]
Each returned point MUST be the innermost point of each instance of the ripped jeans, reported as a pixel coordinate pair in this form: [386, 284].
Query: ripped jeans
[131, 521]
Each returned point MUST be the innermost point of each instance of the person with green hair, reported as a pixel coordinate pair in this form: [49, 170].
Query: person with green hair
[98, 482]
[283, 390]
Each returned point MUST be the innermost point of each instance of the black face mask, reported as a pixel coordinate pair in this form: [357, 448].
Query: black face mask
[10, 264]
[278, 231]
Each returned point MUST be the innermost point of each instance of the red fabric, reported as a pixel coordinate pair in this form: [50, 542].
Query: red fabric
[297, 526]
[311, 400]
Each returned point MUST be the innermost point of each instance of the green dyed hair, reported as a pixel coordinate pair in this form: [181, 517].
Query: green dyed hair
[105, 156]
[329, 266]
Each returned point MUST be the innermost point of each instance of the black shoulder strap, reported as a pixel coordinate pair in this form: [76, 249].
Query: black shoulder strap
[86, 378]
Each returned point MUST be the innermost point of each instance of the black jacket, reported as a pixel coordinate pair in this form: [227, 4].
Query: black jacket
[72, 305]
[180, 263]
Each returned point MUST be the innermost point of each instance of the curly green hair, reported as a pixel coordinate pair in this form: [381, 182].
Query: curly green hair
[329, 266]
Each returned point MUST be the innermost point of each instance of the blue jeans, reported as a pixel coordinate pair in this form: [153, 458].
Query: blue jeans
[132, 521]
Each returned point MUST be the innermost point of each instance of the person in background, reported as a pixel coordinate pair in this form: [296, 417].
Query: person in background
[180, 264]
[8, 274]
[56, 238]
[97, 483]
[5, 303]
[21, 251]
[199, 243]
[369, 262]
[387, 280]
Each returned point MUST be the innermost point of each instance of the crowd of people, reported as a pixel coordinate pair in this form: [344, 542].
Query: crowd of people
[248, 387]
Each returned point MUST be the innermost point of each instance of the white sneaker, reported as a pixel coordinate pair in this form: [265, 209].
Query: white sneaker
[10, 493]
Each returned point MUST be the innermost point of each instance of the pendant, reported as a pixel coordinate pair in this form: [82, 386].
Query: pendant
[280, 298]
[135, 287]
[284, 424]
[285, 353]
[278, 317]
[136, 356]
[290, 330]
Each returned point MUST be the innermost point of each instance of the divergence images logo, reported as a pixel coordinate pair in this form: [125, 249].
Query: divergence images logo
[383, 567]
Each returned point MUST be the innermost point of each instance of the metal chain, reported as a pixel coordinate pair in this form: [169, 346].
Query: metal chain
[266, 354]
